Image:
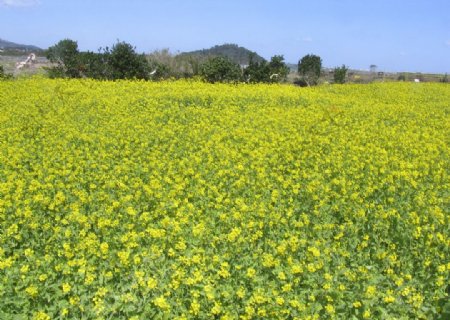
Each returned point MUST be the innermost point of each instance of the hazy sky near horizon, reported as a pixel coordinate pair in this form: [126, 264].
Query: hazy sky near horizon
[395, 35]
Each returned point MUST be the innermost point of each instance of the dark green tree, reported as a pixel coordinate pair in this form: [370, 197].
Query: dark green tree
[65, 57]
[4, 75]
[257, 70]
[2, 72]
[278, 69]
[401, 77]
[340, 74]
[269, 72]
[220, 69]
[95, 65]
[125, 63]
[309, 69]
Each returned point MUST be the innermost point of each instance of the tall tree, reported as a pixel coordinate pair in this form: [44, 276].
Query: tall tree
[340, 73]
[65, 56]
[257, 70]
[278, 69]
[310, 68]
[125, 63]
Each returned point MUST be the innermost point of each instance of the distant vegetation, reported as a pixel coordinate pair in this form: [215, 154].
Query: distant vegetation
[3, 74]
[11, 48]
[221, 69]
[262, 71]
[309, 69]
[340, 74]
[121, 61]
[233, 52]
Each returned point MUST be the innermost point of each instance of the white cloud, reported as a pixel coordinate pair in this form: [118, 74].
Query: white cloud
[307, 39]
[19, 3]
[447, 42]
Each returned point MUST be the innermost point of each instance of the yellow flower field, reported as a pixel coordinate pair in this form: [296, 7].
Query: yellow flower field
[182, 200]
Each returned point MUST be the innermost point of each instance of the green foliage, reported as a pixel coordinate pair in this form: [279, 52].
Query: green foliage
[268, 72]
[235, 53]
[140, 200]
[401, 77]
[125, 63]
[122, 62]
[161, 71]
[220, 69]
[256, 71]
[3, 74]
[94, 65]
[119, 62]
[309, 69]
[340, 73]
[278, 69]
[444, 79]
[65, 56]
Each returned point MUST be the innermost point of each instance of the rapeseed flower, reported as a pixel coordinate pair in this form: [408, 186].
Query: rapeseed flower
[232, 201]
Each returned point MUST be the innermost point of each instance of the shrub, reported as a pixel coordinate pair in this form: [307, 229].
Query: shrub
[220, 69]
[309, 69]
[125, 63]
[3, 74]
[65, 57]
[340, 74]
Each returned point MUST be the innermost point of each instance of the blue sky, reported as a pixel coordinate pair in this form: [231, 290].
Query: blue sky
[395, 35]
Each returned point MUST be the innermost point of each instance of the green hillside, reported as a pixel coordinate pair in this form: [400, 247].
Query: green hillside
[232, 51]
[12, 48]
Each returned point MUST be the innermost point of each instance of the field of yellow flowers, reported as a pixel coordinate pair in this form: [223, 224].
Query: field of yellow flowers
[182, 200]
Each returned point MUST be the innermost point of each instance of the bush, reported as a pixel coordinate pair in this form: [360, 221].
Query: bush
[121, 62]
[220, 69]
[300, 82]
[261, 71]
[125, 63]
[94, 65]
[278, 69]
[256, 71]
[340, 74]
[309, 69]
[3, 74]
[65, 56]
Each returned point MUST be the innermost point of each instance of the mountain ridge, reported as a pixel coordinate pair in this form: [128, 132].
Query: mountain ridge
[235, 53]
[9, 45]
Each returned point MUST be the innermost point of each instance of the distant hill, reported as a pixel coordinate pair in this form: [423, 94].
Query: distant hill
[234, 52]
[11, 47]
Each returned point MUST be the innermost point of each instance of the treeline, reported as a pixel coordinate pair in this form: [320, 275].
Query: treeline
[121, 61]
